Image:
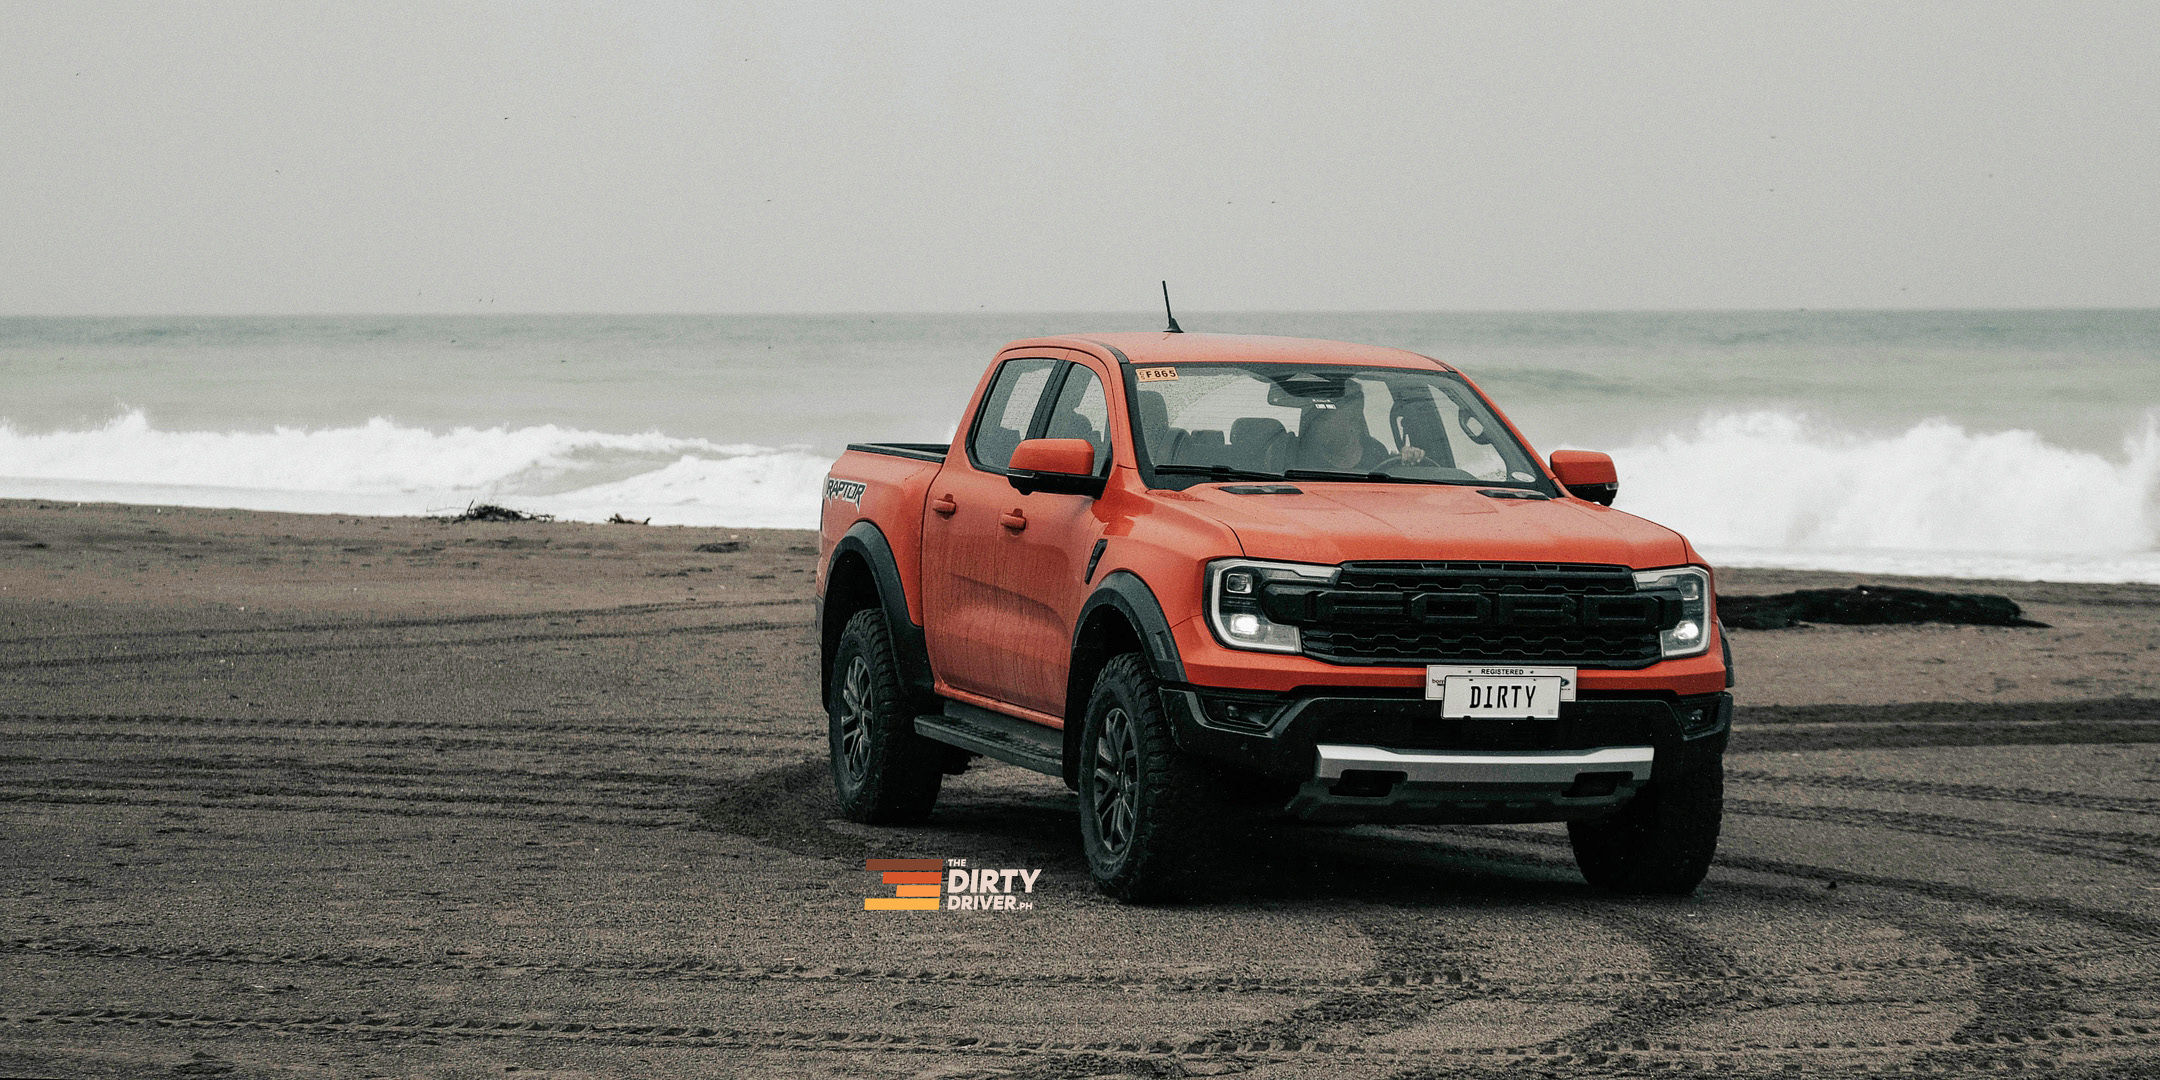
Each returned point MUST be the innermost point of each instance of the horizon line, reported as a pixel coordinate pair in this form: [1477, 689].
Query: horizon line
[1150, 313]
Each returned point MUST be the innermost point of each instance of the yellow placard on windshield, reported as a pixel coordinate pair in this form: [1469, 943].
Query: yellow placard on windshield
[1155, 374]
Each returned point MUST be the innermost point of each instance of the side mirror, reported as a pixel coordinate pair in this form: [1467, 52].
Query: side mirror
[1587, 474]
[1062, 466]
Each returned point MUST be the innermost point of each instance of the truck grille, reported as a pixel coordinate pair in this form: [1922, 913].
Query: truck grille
[1476, 612]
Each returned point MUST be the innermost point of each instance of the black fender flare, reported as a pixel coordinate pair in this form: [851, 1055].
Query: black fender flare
[1123, 593]
[1130, 596]
[866, 541]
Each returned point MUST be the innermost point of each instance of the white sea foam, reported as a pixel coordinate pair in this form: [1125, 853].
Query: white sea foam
[382, 467]
[1775, 489]
[1750, 489]
[756, 488]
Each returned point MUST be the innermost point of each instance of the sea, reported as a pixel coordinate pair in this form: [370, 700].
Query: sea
[1980, 444]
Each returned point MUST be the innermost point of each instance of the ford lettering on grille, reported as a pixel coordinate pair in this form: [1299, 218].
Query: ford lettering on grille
[1423, 612]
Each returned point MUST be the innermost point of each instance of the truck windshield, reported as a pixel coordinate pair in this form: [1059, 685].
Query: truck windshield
[1254, 421]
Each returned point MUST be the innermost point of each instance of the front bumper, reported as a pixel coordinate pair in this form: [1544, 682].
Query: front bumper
[1390, 756]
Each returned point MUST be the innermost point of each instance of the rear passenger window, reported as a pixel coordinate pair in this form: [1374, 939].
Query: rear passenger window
[1007, 411]
[1082, 412]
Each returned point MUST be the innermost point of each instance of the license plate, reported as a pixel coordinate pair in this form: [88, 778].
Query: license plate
[1499, 691]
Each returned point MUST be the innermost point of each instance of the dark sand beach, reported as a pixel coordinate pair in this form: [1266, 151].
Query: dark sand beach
[288, 795]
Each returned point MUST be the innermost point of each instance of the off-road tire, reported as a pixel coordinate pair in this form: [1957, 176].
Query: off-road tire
[1150, 850]
[883, 772]
[1660, 842]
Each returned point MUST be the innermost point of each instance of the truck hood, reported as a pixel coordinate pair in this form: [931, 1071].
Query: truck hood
[1338, 522]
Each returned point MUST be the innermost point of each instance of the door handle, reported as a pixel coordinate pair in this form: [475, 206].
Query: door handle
[1013, 519]
[944, 506]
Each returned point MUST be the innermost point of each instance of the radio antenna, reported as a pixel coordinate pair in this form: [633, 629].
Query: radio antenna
[1174, 329]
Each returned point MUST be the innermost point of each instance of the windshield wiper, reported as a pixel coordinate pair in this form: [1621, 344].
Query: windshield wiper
[1375, 477]
[1219, 472]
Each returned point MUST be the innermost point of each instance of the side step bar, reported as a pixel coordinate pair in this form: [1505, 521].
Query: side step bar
[1006, 738]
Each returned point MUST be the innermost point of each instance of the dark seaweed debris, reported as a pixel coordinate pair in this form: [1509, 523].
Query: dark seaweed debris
[492, 512]
[1868, 605]
[618, 519]
[718, 547]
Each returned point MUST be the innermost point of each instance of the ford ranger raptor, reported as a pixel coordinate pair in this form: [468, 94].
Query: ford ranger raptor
[1180, 571]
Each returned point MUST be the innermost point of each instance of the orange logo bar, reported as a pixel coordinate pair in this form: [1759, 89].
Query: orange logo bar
[915, 883]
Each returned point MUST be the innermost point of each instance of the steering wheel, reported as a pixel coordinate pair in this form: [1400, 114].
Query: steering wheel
[1422, 468]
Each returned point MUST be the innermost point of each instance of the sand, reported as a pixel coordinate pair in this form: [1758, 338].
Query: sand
[322, 796]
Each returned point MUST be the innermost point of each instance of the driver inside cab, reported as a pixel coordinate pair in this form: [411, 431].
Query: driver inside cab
[1332, 436]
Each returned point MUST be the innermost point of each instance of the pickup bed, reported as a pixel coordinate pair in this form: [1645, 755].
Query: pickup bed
[1186, 572]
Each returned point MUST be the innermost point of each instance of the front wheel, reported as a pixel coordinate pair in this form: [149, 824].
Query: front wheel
[1144, 806]
[883, 772]
[1660, 842]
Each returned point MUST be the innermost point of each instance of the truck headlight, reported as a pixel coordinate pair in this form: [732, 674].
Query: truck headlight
[1233, 602]
[1691, 635]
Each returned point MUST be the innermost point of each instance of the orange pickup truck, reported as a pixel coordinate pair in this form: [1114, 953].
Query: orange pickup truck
[1184, 571]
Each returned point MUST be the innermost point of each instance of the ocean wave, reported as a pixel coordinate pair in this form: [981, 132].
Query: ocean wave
[1779, 482]
[383, 467]
[1763, 488]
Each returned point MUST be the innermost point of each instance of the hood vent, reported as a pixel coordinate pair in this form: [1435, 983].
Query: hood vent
[1263, 489]
[1509, 493]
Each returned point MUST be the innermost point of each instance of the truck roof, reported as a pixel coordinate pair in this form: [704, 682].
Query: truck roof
[1159, 347]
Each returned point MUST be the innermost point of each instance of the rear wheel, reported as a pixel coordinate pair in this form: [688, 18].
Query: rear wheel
[1144, 807]
[1660, 842]
[883, 772]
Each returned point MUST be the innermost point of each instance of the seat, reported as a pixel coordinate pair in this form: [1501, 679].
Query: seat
[1160, 438]
[1204, 447]
[1258, 443]
[1154, 417]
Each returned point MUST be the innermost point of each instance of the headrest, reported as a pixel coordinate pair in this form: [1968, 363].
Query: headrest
[1253, 429]
[1308, 419]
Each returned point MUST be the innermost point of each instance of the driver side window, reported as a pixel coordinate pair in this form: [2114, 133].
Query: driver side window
[1007, 412]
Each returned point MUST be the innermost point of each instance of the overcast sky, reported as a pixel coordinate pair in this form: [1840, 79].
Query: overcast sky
[653, 156]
